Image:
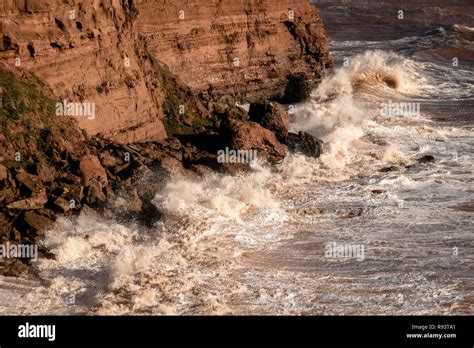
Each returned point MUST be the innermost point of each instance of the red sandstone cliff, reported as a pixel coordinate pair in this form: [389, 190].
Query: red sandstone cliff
[138, 63]
[79, 48]
[236, 46]
[97, 51]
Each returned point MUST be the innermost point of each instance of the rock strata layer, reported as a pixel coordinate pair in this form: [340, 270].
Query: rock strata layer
[99, 52]
[104, 101]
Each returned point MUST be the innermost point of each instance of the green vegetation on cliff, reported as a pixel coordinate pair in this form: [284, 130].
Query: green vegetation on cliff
[18, 100]
[28, 122]
[181, 107]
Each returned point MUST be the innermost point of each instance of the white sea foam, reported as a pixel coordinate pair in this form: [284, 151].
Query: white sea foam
[254, 244]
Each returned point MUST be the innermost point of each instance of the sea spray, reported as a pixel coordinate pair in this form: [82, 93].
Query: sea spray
[254, 244]
[229, 196]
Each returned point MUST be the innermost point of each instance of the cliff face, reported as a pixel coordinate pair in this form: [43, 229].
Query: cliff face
[146, 70]
[99, 52]
[81, 49]
[239, 47]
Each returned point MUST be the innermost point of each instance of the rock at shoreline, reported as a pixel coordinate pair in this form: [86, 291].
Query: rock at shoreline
[95, 192]
[13, 268]
[389, 169]
[7, 195]
[252, 136]
[5, 227]
[73, 192]
[426, 159]
[298, 89]
[91, 168]
[305, 144]
[37, 221]
[62, 204]
[271, 116]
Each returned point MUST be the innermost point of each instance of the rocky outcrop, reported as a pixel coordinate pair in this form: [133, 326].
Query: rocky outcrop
[101, 52]
[49, 167]
[251, 136]
[244, 48]
[159, 85]
[426, 159]
[92, 169]
[304, 143]
[272, 116]
[87, 51]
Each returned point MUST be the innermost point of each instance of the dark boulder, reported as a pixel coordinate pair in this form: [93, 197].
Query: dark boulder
[389, 169]
[305, 144]
[426, 159]
[298, 88]
[271, 116]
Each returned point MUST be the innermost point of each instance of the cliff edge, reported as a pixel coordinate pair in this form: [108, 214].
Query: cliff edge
[98, 52]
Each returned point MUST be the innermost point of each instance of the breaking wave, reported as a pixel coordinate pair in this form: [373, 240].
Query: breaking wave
[254, 244]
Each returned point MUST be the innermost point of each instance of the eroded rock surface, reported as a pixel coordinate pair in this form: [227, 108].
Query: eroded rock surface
[102, 53]
[165, 81]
